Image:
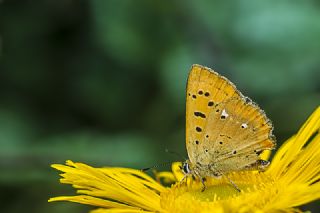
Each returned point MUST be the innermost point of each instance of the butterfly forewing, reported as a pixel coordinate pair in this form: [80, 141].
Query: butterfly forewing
[223, 128]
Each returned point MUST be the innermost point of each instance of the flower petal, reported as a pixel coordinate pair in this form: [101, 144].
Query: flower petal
[297, 167]
[128, 187]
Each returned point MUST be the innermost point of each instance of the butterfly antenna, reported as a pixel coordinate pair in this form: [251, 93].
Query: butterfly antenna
[166, 163]
[156, 166]
[175, 153]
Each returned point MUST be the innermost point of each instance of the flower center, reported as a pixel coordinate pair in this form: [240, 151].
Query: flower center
[216, 191]
[190, 194]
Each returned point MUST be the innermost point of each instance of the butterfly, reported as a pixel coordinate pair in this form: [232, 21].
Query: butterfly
[225, 131]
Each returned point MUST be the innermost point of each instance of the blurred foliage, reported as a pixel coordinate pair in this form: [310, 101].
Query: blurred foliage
[103, 82]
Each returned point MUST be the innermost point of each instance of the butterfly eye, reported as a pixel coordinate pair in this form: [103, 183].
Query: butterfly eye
[186, 168]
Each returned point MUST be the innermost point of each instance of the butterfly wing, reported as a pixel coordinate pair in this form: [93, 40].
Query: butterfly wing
[223, 128]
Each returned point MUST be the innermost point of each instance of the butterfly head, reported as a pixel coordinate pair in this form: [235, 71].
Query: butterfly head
[189, 169]
[186, 168]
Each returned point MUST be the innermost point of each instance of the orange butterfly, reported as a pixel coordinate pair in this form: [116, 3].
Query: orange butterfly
[225, 131]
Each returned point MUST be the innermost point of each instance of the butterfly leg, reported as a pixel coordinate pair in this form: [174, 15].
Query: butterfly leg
[203, 184]
[184, 179]
[233, 184]
[217, 174]
[202, 179]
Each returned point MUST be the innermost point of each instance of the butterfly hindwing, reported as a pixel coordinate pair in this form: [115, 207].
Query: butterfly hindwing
[243, 133]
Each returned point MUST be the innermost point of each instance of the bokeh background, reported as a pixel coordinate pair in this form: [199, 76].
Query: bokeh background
[103, 82]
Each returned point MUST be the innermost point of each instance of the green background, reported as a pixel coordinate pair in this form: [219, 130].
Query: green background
[103, 82]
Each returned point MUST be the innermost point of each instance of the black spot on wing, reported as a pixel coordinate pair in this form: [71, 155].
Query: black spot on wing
[200, 114]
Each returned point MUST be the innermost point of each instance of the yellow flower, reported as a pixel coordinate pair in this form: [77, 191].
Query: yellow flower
[293, 179]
